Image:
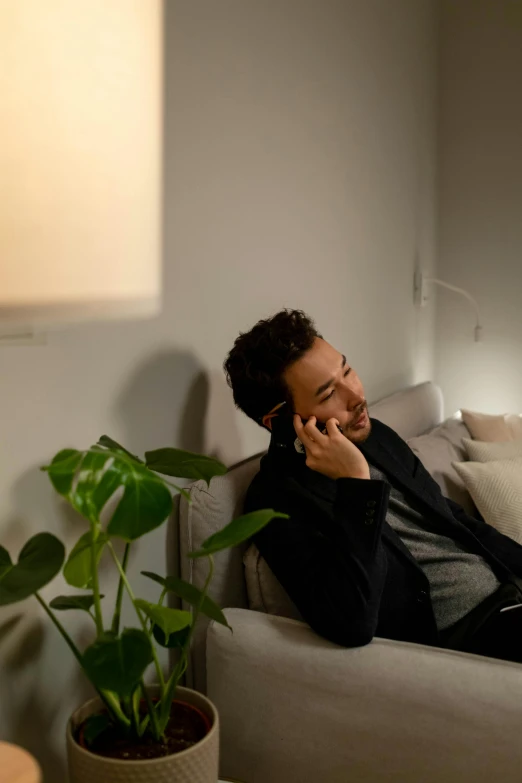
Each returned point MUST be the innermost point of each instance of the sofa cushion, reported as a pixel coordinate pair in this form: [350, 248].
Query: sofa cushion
[479, 451]
[437, 450]
[486, 427]
[265, 591]
[496, 488]
[212, 508]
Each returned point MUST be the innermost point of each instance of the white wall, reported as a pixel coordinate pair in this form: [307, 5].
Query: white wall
[300, 140]
[481, 203]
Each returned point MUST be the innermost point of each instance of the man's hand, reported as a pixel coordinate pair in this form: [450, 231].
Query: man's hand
[333, 455]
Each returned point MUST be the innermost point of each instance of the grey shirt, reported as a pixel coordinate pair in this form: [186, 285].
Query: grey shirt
[459, 580]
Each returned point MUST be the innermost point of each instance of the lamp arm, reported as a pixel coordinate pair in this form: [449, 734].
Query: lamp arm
[457, 290]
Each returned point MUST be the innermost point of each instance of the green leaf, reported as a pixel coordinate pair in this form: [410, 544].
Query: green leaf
[94, 726]
[191, 594]
[169, 620]
[92, 473]
[112, 445]
[155, 577]
[175, 640]
[184, 464]
[145, 504]
[39, 562]
[237, 531]
[78, 568]
[118, 663]
[63, 602]
[63, 468]
[5, 561]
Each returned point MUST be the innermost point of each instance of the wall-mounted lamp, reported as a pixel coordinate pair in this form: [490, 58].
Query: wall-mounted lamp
[421, 295]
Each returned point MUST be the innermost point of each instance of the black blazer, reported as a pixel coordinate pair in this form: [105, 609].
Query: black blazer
[346, 570]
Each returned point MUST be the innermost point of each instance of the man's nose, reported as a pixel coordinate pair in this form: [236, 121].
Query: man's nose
[354, 400]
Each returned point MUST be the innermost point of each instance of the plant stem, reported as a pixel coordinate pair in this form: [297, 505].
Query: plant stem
[108, 698]
[114, 706]
[75, 651]
[160, 603]
[197, 608]
[96, 585]
[181, 491]
[119, 596]
[162, 596]
[156, 730]
[172, 683]
[135, 706]
[143, 725]
[142, 620]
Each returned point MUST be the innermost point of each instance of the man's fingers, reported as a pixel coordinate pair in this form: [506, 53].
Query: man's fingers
[299, 428]
[331, 426]
[303, 433]
[313, 431]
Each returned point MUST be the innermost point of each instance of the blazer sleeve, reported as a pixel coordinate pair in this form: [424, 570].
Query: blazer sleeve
[503, 547]
[330, 560]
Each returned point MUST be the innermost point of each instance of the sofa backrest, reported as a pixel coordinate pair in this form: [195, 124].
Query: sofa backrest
[211, 508]
[410, 412]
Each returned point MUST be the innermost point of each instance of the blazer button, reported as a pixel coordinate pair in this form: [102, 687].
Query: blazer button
[422, 597]
[371, 503]
[368, 521]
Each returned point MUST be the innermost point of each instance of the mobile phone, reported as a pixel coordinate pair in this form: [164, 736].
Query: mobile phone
[321, 426]
[284, 432]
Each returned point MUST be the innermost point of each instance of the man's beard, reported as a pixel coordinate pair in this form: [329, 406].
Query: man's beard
[358, 436]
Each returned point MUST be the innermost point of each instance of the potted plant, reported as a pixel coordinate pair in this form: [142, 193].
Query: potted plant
[130, 731]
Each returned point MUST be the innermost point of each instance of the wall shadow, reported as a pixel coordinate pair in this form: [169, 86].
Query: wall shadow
[223, 438]
[164, 403]
[35, 499]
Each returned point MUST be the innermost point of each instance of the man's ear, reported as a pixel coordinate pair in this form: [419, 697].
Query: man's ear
[267, 418]
[266, 421]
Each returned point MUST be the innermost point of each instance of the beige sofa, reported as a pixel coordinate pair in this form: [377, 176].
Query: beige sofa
[295, 707]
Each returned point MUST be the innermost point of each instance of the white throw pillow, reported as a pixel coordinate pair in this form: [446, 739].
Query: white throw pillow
[496, 488]
[437, 450]
[480, 451]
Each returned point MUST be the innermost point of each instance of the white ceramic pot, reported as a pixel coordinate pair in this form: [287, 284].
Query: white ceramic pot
[198, 764]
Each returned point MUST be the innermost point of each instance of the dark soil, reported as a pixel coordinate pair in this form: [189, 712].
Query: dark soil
[186, 727]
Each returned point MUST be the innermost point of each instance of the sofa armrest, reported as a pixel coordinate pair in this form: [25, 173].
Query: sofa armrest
[295, 707]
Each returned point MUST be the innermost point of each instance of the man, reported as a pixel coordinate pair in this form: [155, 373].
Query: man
[371, 546]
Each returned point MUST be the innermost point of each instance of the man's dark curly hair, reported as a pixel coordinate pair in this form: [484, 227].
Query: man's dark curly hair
[256, 364]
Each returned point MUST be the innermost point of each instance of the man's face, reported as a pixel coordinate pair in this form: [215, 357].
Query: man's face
[324, 385]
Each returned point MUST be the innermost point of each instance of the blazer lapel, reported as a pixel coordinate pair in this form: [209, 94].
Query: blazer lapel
[383, 458]
[418, 485]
